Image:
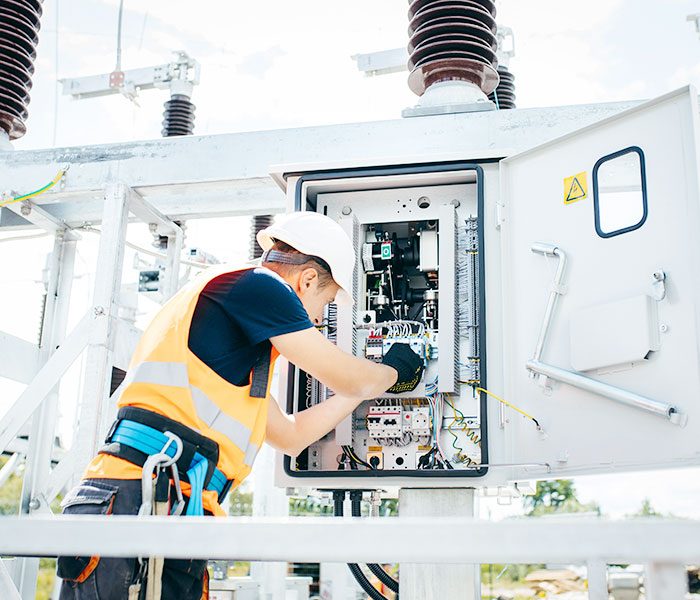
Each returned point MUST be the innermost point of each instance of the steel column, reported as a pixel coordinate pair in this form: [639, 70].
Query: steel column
[9, 468]
[7, 587]
[41, 440]
[664, 581]
[100, 356]
[269, 501]
[438, 581]
[597, 574]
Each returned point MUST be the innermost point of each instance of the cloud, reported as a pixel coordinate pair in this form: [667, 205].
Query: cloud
[258, 64]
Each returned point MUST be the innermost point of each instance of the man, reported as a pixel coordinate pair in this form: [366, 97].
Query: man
[197, 396]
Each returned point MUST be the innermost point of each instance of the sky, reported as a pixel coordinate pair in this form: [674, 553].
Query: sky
[276, 64]
[279, 64]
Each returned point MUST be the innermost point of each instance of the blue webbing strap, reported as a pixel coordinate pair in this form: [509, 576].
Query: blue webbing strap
[151, 441]
[196, 475]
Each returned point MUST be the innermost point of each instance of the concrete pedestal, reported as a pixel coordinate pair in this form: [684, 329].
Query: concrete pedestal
[438, 582]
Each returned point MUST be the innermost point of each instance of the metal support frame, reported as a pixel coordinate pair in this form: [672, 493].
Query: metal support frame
[100, 332]
[41, 440]
[99, 358]
[39, 217]
[383, 62]
[163, 172]
[664, 545]
[9, 468]
[181, 74]
[545, 371]
[7, 588]
[162, 225]
[45, 381]
[20, 358]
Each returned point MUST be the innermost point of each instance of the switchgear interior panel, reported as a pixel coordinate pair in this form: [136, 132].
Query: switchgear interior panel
[418, 281]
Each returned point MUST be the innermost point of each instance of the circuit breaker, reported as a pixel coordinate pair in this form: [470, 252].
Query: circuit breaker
[418, 281]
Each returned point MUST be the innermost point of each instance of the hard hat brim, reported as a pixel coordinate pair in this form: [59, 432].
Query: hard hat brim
[266, 241]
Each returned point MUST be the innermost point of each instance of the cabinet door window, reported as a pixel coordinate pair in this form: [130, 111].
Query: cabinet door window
[620, 192]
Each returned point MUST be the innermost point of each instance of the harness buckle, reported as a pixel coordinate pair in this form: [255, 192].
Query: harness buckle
[160, 460]
[112, 429]
[180, 506]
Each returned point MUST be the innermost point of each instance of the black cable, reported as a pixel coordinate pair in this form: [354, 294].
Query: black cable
[377, 570]
[353, 457]
[338, 499]
[362, 581]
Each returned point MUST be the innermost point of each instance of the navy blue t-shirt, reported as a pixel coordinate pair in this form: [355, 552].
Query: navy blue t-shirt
[236, 315]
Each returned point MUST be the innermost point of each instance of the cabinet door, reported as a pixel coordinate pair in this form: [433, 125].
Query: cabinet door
[601, 247]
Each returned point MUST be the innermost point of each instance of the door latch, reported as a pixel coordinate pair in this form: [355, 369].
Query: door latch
[659, 285]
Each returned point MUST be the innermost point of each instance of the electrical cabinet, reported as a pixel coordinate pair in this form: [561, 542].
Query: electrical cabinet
[573, 262]
[416, 231]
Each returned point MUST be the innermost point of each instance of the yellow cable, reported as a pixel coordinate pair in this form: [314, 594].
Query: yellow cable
[515, 408]
[38, 192]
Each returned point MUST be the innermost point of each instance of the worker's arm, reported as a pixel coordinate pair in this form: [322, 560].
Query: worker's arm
[292, 433]
[345, 374]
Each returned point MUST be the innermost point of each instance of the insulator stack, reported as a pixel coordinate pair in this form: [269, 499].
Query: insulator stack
[452, 40]
[258, 223]
[178, 116]
[504, 95]
[19, 34]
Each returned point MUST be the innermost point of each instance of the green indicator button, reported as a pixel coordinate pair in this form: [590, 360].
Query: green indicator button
[386, 251]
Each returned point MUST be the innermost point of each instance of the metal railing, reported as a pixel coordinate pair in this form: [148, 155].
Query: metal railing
[664, 546]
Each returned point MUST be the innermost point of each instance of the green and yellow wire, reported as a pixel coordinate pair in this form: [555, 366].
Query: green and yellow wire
[508, 404]
[38, 192]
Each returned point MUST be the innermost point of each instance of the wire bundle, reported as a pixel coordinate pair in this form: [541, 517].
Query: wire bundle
[435, 458]
[468, 298]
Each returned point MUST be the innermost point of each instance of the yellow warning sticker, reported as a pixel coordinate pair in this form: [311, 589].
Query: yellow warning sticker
[575, 188]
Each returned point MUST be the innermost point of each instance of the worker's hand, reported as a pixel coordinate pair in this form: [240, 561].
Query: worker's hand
[407, 364]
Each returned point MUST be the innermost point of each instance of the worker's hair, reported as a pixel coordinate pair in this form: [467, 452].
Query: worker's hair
[314, 262]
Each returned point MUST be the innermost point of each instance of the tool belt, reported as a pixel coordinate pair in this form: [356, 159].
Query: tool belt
[137, 434]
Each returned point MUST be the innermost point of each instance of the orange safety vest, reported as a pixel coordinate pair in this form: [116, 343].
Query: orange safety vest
[166, 377]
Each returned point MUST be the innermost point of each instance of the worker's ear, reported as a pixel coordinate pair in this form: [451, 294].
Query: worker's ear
[308, 281]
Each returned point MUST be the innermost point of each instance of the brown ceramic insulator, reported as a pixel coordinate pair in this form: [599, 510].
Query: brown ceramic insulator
[19, 28]
[453, 9]
[416, 5]
[504, 94]
[445, 26]
[452, 40]
[452, 43]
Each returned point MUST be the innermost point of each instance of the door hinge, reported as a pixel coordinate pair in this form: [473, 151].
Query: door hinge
[500, 215]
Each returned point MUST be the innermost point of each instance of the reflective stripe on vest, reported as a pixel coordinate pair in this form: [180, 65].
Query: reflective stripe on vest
[175, 375]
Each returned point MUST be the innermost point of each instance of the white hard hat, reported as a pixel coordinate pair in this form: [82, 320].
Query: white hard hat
[316, 235]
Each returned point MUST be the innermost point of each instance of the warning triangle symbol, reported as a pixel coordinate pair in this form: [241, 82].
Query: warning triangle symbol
[576, 192]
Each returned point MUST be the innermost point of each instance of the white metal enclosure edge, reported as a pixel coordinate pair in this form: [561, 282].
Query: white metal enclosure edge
[627, 306]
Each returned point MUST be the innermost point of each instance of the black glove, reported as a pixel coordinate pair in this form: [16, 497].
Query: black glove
[408, 365]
